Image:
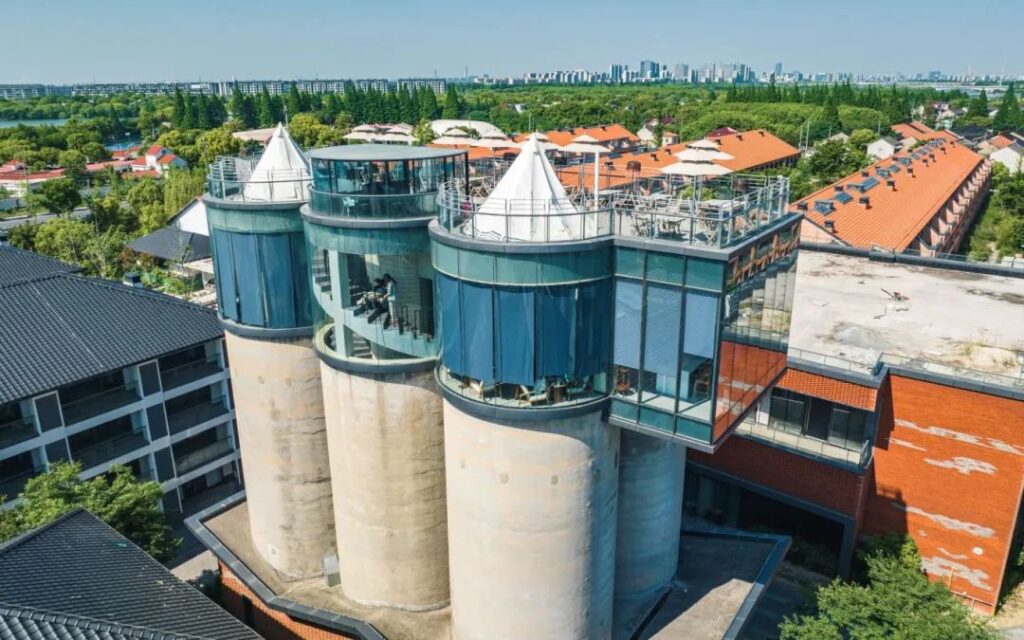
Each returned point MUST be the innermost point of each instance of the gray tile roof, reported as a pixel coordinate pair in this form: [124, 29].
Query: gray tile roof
[76, 578]
[174, 244]
[58, 329]
[17, 265]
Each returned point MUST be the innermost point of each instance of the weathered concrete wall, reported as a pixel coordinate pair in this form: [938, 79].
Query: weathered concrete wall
[279, 404]
[531, 521]
[650, 511]
[386, 442]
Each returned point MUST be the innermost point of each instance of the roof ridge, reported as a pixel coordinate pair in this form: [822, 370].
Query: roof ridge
[10, 284]
[94, 624]
[18, 540]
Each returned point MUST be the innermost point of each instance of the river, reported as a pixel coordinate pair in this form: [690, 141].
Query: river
[4, 124]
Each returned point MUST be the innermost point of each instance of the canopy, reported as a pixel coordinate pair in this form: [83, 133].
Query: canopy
[696, 169]
[703, 144]
[493, 143]
[586, 138]
[397, 137]
[366, 128]
[529, 203]
[692, 154]
[455, 132]
[282, 174]
[361, 135]
[584, 147]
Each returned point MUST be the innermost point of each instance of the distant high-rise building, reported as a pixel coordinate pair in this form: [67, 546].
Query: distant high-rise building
[615, 73]
[778, 69]
[681, 72]
[649, 69]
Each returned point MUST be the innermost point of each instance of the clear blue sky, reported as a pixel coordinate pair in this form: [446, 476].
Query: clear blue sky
[55, 41]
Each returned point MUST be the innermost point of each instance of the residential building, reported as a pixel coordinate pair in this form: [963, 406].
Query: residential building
[159, 159]
[922, 200]
[104, 373]
[183, 246]
[913, 132]
[882, 148]
[1010, 156]
[615, 137]
[76, 577]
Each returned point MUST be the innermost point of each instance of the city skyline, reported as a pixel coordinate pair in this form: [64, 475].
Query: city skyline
[93, 44]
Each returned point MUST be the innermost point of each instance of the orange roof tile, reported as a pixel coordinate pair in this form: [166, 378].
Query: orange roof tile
[840, 391]
[1000, 141]
[921, 132]
[750, 150]
[477, 153]
[602, 133]
[897, 216]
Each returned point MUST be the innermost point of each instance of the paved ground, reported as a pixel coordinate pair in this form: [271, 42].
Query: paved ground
[784, 597]
[9, 223]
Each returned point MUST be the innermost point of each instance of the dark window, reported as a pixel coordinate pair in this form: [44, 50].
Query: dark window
[248, 613]
[788, 410]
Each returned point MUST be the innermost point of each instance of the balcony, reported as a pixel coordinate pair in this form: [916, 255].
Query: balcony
[16, 431]
[195, 415]
[183, 374]
[855, 459]
[91, 406]
[204, 455]
[107, 450]
[359, 205]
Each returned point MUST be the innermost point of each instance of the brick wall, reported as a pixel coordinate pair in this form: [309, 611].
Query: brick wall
[949, 470]
[272, 625]
[788, 473]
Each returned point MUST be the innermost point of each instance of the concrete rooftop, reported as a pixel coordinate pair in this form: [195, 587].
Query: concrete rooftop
[956, 318]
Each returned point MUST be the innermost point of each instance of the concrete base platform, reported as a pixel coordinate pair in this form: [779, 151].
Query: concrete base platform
[720, 579]
[231, 528]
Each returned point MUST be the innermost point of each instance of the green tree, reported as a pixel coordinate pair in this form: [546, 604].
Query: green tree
[65, 239]
[428, 104]
[181, 186]
[424, 133]
[143, 192]
[861, 138]
[897, 601]
[109, 212]
[451, 109]
[243, 109]
[178, 110]
[833, 160]
[129, 506]
[214, 143]
[1009, 114]
[59, 196]
[265, 109]
[152, 217]
[23, 236]
[72, 162]
[830, 117]
[978, 108]
[305, 128]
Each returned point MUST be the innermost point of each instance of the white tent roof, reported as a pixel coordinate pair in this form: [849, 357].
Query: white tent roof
[529, 203]
[282, 174]
[703, 144]
[697, 154]
[482, 128]
[696, 169]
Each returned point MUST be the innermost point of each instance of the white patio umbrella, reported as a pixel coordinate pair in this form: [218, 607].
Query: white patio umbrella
[366, 128]
[691, 154]
[586, 138]
[453, 136]
[365, 136]
[493, 142]
[397, 137]
[695, 169]
[704, 144]
[580, 145]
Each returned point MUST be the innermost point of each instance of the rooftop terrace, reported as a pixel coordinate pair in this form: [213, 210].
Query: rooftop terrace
[857, 311]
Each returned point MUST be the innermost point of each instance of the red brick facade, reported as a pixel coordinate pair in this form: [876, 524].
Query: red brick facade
[272, 625]
[949, 470]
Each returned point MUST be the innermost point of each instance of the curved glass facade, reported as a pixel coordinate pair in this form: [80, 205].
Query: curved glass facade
[259, 262]
[382, 181]
[373, 285]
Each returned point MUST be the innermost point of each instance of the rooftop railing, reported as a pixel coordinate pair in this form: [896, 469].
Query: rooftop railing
[713, 213]
[235, 178]
[360, 205]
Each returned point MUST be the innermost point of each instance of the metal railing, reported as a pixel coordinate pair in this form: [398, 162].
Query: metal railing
[807, 445]
[714, 213]
[235, 178]
[195, 415]
[188, 372]
[15, 431]
[194, 459]
[358, 205]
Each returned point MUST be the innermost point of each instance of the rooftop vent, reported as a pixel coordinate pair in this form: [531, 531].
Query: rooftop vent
[802, 206]
[633, 165]
[830, 226]
[739, 136]
[910, 170]
[891, 184]
[839, 188]
[866, 201]
[865, 173]
[761, 131]
[133, 279]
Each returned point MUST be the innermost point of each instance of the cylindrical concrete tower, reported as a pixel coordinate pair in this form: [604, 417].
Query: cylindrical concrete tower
[372, 282]
[651, 473]
[524, 300]
[263, 294]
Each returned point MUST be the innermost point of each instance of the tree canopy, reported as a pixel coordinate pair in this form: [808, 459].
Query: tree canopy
[126, 504]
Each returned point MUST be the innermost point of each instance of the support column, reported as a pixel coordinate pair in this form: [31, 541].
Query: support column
[651, 476]
[531, 520]
[279, 405]
[386, 443]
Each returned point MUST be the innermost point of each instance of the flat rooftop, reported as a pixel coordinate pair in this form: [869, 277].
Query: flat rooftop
[721, 576]
[381, 152]
[846, 308]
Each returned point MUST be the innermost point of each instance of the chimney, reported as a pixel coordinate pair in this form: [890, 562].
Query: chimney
[739, 136]
[865, 173]
[839, 188]
[802, 206]
[866, 201]
[891, 184]
[910, 170]
[761, 131]
[133, 279]
[830, 226]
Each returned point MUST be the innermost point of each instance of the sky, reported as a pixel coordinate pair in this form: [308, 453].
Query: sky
[66, 41]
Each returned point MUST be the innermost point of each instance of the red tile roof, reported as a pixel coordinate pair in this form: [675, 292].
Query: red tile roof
[896, 216]
[721, 131]
[818, 386]
[39, 176]
[139, 162]
[155, 150]
[1000, 141]
[167, 158]
[602, 133]
[148, 173]
[920, 131]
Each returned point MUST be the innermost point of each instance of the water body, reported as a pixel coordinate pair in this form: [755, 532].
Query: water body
[57, 122]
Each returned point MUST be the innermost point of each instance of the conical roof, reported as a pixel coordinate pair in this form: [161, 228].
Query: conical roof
[529, 203]
[282, 173]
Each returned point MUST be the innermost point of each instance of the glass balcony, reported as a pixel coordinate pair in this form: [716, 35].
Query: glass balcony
[417, 205]
[94, 405]
[185, 373]
[195, 458]
[549, 392]
[195, 415]
[855, 458]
